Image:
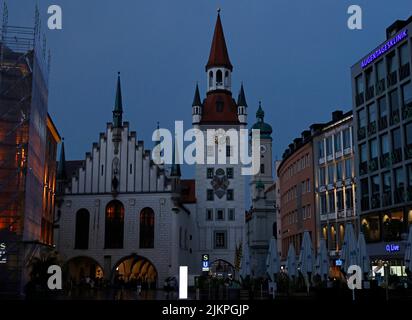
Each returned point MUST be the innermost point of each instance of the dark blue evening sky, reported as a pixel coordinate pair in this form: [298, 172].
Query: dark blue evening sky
[295, 56]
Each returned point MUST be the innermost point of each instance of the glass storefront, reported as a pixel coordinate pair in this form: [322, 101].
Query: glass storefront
[395, 267]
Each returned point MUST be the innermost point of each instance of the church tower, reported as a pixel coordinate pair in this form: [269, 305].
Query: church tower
[220, 186]
[261, 217]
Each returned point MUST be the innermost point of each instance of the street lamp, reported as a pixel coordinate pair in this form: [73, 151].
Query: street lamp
[386, 270]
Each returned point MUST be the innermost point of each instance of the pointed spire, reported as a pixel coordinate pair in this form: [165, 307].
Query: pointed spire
[175, 171]
[219, 56]
[118, 107]
[260, 114]
[196, 99]
[241, 100]
[61, 167]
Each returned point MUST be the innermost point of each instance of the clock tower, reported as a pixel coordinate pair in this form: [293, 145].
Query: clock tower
[220, 186]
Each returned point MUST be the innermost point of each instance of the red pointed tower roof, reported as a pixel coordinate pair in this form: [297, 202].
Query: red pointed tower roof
[218, 52]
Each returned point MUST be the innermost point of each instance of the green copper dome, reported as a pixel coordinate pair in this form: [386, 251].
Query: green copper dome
[265, 128]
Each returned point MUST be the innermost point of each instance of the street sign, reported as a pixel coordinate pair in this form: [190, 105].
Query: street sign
[205, 263]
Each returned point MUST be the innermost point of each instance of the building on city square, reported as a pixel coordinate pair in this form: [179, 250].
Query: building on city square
[382, 105]
[335, 181]
[261, 218]
[124, 216]
[297, 197]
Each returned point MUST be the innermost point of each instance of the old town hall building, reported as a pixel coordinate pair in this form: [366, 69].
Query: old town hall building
[122, 215]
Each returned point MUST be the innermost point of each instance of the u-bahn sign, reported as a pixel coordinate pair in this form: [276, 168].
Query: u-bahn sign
[205, 263]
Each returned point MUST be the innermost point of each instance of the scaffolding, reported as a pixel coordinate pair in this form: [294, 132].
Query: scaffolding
[24, 69]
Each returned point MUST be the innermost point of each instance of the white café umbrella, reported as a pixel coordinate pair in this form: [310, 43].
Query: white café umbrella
[291, 261]
[306, 258]
[322, 260]
[349, 248]
[362, 254]
[408, 251]
[245, 263]
[349, 253]
[272, 260]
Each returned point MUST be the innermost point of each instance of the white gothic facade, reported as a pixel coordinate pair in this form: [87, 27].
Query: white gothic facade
[120, 215]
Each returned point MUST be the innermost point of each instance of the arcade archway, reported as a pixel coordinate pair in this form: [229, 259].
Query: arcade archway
[222, 268]
[135, 270]
[82, 267]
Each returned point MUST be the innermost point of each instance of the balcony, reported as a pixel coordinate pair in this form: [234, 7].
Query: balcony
[404, 71]
[392, 79]
[363, 168]
[394, 117]
[375, 201]
[380, 87]
[370, 93]
[386, 198]
[361, 133]
[383, 123]
[385, 160]
[396, 155]
[347, 151]
[373, 164]
[372, 128]
[360, 99]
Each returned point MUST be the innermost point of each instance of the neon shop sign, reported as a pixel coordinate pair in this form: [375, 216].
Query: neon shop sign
[392, 248]
[384, 48]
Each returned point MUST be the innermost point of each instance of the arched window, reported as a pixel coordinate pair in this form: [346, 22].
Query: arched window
[147, 228]
[114, 229]
[210, 79]
[227, 79]
[219, 78]
[82, 229]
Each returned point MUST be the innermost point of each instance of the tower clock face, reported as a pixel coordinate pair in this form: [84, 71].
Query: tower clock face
[262, 149]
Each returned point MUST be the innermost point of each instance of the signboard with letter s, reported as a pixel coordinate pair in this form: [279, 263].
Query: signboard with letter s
[205, 263]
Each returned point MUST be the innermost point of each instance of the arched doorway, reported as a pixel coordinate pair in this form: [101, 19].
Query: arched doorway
[81, 268]
[222, 268]
[134, 270]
